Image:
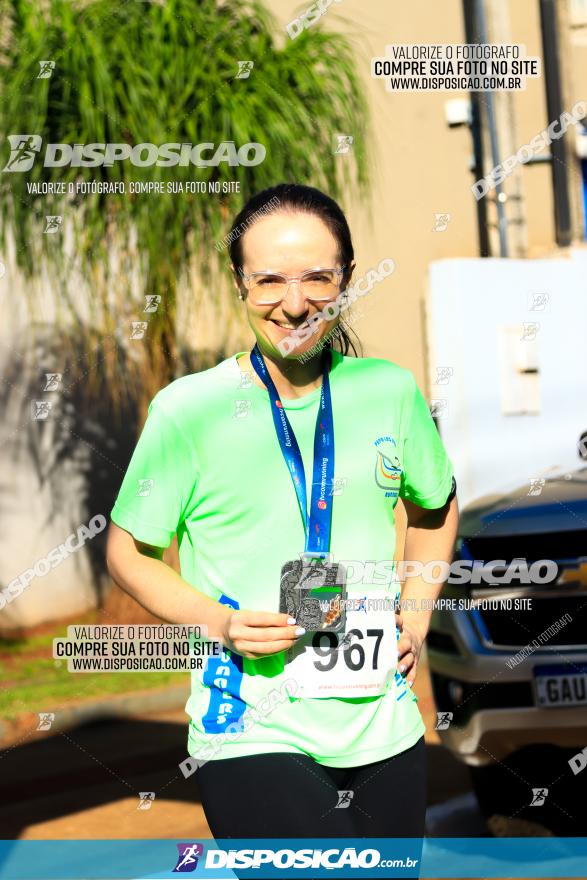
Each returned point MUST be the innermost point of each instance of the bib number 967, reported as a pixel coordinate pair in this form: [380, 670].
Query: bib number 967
[354, 654]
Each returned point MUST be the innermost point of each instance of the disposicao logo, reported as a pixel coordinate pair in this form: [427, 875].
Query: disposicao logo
[187, 860]
[24, 149]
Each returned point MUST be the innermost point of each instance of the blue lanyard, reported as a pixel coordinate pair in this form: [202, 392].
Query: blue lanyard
[317, 524]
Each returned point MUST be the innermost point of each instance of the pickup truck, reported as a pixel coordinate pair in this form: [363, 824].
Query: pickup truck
[509, 677]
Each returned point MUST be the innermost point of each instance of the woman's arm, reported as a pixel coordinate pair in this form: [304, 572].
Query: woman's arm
[139, 570]
[430, 536]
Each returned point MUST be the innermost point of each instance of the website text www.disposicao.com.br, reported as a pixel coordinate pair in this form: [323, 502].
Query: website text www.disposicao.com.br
[334, 858]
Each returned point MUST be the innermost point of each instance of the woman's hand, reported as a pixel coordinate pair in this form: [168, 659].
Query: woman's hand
[408, 649]
[255, 634]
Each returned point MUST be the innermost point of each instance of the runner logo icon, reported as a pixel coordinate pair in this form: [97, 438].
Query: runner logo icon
[23, 150]
[187, 860]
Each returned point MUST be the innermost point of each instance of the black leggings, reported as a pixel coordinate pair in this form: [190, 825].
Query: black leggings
[289, 795]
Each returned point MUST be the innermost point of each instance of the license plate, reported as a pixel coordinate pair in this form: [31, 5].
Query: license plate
[558, 686]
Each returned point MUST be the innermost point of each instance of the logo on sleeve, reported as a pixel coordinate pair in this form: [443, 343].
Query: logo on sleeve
[388, 470]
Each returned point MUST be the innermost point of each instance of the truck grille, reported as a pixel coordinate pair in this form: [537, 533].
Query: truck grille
[512, 628]
[551, 545]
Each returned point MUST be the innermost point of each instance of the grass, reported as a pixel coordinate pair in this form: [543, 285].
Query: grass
[32, 681]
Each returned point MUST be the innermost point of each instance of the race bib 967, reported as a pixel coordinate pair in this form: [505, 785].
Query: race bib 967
[361, 661]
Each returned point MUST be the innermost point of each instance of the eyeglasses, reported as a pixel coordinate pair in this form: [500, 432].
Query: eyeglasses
[269, 288]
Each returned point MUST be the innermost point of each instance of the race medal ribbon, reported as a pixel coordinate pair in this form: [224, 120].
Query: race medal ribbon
[311, 587]
[350, 646]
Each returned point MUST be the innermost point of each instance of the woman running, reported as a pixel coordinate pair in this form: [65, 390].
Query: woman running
[279, 470]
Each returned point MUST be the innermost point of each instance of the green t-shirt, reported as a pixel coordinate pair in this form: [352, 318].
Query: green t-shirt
[208, 467]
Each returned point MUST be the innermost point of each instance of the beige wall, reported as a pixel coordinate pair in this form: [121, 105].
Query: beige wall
[417, 162]
[422, 167]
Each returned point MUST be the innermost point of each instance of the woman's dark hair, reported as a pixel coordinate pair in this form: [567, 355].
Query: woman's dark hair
[307, 199]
